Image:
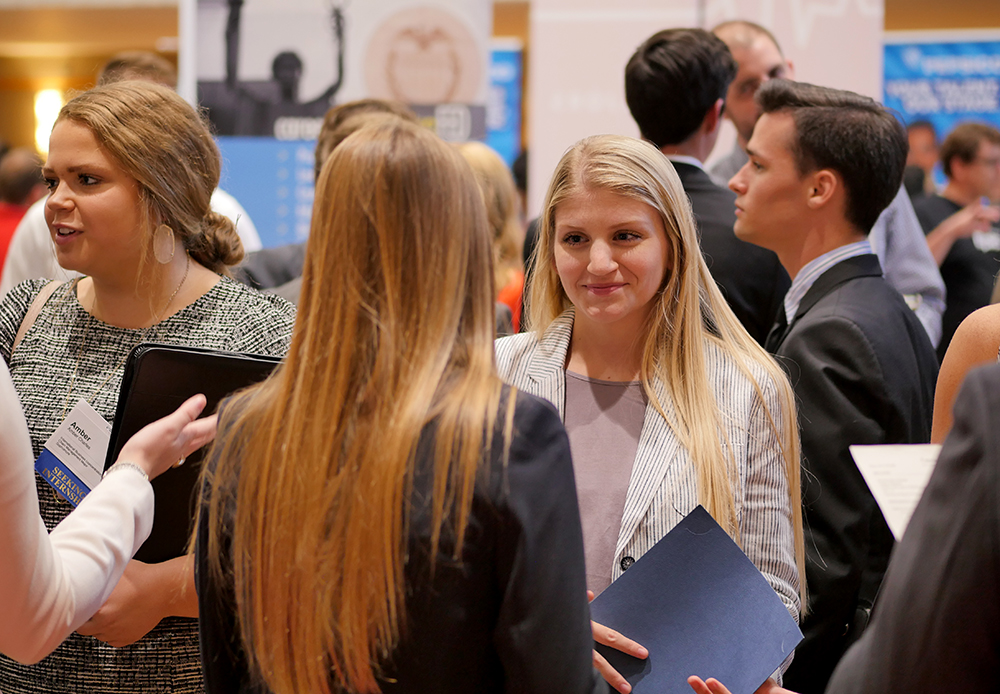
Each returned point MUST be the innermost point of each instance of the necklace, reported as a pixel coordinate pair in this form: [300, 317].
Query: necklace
[142, 338]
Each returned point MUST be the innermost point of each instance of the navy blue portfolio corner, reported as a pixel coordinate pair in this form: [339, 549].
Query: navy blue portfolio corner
[700, 607]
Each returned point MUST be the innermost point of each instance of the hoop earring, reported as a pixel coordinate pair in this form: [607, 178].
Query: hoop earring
[163, 244]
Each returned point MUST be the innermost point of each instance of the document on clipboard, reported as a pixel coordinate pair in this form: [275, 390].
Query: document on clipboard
[158, 378]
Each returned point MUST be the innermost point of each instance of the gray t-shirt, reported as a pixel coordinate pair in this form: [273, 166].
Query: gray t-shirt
[603, 420]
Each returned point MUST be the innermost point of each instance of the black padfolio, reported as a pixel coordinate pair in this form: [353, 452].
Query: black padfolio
[157, 379]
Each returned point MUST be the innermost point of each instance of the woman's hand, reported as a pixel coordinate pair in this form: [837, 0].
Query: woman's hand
[158, 445]
[145, 594]
[714, 686]
[609, 637]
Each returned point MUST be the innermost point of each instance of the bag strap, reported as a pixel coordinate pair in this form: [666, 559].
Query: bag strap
[33, 311]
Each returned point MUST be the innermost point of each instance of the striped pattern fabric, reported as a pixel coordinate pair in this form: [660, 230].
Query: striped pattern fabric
[230, 316]
[663, 488]
[811, 271]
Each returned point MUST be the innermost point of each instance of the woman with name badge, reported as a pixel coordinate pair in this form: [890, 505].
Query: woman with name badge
[131, 169]
[51, 584]
[667, 400]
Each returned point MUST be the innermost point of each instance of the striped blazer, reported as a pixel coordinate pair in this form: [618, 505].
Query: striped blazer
[663, 488]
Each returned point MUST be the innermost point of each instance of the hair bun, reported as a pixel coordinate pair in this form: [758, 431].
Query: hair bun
[218, 246]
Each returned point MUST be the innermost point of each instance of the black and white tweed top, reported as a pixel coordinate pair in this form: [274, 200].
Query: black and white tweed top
[66, 345]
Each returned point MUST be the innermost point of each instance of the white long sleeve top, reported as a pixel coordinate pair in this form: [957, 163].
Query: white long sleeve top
[51, 584]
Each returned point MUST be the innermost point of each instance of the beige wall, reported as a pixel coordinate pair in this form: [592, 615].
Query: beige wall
[61, 43]
[922, 15]
[63, 48]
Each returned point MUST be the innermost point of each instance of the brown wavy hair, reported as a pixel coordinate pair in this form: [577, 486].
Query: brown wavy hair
[158, 139]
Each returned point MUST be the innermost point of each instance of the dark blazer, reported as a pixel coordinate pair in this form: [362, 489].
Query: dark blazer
[750, 277]
[272, 267]
[937, 622]
[511, 616]
[863, 371]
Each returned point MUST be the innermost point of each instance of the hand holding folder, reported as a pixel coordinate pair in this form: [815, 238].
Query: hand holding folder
[714, 686]
[612, 639]
[157, 378]
[700, 607]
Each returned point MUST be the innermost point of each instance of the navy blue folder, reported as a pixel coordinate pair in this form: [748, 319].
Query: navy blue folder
[700, 607]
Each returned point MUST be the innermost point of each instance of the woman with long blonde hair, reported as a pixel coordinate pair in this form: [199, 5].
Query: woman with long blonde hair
[667, 400]
[382, 514]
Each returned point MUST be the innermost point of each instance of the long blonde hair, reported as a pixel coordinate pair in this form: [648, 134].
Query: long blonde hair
[500, 195]
[690, 312]
[394, 330]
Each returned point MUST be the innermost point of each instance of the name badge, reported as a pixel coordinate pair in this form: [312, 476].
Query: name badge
[73, 458]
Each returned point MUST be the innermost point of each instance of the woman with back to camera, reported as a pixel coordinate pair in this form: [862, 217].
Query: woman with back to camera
[383, 514]
[131, 169]
[667, 400]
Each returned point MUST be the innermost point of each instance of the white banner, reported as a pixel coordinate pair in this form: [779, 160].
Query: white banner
[579, 49]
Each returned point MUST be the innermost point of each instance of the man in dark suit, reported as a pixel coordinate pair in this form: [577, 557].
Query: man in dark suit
[675, 86]
[935, 626]
[823, 165]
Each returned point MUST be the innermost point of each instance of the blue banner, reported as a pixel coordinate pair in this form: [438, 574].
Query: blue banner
[503, 105]
[62, 479]
[944, 82]
[273, 180]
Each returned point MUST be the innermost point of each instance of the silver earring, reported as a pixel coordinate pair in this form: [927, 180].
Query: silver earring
[163, 244]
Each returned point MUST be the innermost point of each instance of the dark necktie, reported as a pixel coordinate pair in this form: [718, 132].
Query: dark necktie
[777, 334]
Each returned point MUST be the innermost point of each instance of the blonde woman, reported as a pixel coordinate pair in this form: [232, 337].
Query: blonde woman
[131, 170]
[384, 515]
[500, 195]
[667, 400]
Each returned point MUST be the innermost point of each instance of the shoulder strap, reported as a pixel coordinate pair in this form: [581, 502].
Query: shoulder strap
[33, 311]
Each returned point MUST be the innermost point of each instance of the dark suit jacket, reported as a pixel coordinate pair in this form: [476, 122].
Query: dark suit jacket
[937, 622]
[750, 277]
[511, 616]
[863, 371]
[272, 267]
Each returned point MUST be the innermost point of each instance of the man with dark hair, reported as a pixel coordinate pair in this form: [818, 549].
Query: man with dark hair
[959, 223]
[21, 185]
[823, 165]
[896, 237]
[675, 86]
